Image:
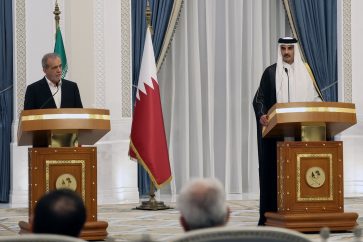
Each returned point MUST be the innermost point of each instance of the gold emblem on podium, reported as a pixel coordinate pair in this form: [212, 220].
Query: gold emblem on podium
[66, 181]
[315, 177]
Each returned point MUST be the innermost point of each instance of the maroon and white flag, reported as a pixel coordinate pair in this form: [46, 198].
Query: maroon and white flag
[147, 141]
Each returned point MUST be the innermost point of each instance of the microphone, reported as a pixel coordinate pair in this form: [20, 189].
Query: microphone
[288, 84]
[47, 101]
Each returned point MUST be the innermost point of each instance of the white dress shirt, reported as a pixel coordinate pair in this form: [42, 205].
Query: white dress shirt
[57, 96]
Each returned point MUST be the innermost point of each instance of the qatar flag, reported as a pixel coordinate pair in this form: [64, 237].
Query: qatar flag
[147, 140]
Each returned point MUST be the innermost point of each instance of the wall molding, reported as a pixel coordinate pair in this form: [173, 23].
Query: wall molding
[347, 51]
[126, 58]
[99, 53]
[20, 55]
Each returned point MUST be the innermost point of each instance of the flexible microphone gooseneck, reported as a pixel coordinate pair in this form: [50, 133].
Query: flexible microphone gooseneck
[288, 84]
[50, 98]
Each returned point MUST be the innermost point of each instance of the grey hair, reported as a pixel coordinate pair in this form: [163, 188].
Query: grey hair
[202, 203]
[48, 56]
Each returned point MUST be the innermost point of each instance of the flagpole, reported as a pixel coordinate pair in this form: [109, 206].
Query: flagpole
[148, 17]
[58, 45]
[152, 204]
[56, 13]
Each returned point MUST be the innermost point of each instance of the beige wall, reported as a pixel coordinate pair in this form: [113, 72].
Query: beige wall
[350, 52]
[79, 41]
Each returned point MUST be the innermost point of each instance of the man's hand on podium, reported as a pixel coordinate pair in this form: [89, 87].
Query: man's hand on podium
[264, 120]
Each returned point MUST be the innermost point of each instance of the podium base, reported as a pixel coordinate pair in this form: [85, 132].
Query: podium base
[313, 222]
[91, 230]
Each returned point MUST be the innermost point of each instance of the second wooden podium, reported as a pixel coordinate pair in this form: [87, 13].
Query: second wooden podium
[310, 172]
[57, 159]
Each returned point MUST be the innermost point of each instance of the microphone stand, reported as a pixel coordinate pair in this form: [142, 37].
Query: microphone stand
[50, 98]
[288, 84]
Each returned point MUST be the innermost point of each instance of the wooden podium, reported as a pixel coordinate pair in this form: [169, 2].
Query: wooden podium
[310, 172]
[57, 160]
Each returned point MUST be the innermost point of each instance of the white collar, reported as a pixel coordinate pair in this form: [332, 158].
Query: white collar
[52, 84]
[287, 65]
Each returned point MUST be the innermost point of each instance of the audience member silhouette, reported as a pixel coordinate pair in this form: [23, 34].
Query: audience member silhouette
[202, 204]
[59, 212]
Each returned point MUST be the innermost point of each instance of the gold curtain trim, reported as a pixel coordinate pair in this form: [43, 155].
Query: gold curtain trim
[292, 22]
[65, 116]
[314, 81]
[170, 30]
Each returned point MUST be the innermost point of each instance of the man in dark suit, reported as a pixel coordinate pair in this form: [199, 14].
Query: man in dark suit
[52, 91]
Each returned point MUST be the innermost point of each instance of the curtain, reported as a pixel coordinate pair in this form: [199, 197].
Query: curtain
[207, 82]
[6, 95]
[160, 18]
[316, 27]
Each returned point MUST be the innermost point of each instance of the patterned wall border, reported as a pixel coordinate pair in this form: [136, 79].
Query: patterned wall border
[126, 58]
[20, 55]
[99, 50]
[347, 51]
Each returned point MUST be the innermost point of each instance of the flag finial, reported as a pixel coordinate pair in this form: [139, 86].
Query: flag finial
[148, 16]
[56, 12]
[59, 46]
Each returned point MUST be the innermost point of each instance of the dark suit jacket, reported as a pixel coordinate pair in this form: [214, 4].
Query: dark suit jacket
[38, 95]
